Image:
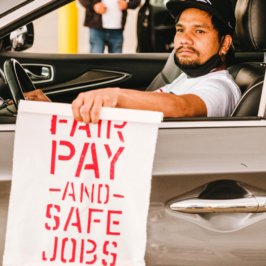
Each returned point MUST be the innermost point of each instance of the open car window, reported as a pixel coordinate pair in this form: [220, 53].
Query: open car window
[94, 71]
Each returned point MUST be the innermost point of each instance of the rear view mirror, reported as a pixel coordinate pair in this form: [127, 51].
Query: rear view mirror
[18, 40]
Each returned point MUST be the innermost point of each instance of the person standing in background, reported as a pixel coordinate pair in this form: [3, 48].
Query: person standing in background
[106, 20]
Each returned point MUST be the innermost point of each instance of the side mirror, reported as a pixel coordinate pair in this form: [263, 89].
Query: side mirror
[18, 40]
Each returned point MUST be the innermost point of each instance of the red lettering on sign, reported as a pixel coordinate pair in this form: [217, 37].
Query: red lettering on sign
[87, 129]
[74, 242]
[82, 158]
[90, 218]
[70, 194]
[77, 224]
[56, 218]
[108, 129]
[63, 249]
[43, 256]
[114, 160]
[108, 150]
[120, 135]
[55, 249]
[65, 191]
[121, 126]
[106, 252]
[91, 251]
[53, 124]
[68, 218]
[61, 157]
[99, 193]
[81, 251]
[71, 149]
[53, 157]
[118, 196]
[99, 128]
[94, 166]
[54, 189]
[74, 127]
[107, 194]
[108, 231]
[81, 192]
[92, 193]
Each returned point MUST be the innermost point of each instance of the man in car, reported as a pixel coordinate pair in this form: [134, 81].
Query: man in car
[204, 30]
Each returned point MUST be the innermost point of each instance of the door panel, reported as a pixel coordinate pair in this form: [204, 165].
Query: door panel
[77, 73]
[91, 78]
[217, 154]
[86, 72]
[187, 159]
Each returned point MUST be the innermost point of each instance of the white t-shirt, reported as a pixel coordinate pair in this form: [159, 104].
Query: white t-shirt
[217, 89]
[112, 18]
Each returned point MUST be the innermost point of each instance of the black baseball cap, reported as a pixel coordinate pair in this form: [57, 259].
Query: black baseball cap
[221, 9]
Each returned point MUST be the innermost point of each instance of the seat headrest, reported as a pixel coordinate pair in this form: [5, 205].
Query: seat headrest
[250, 24]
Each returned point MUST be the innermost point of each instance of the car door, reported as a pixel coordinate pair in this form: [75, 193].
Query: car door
[215, 164]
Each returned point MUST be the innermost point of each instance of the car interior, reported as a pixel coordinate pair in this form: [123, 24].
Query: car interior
[248, 76]
[73, 74]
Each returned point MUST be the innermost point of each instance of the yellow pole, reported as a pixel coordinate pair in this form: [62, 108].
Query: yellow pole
[68, 29]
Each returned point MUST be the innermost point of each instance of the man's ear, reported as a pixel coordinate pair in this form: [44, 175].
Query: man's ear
[225, 45]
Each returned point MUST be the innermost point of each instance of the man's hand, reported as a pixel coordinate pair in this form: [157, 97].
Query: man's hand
[122, 4]
[36, 95]
[92, 102]
[99, 8]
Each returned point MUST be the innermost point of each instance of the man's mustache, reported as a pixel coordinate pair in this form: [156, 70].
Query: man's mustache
[189, 48]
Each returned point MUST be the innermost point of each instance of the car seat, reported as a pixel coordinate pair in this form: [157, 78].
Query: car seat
[251, 32]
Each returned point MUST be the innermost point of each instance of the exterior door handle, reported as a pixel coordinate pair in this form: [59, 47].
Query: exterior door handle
[252, 204]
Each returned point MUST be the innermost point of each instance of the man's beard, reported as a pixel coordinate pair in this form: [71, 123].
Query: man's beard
[185, 63]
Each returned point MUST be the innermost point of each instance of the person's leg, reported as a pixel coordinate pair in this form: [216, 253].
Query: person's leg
[97, 41]
[115, 41]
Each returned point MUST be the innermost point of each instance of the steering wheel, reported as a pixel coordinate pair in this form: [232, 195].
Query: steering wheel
[18, 80]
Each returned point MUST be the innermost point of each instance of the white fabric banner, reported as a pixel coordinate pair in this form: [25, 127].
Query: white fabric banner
[80, 193]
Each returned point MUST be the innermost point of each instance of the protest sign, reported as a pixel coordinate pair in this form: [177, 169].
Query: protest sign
[80, 193]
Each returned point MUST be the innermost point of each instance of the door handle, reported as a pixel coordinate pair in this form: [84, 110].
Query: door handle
[45, 72]
[251, 204]
[45, 75]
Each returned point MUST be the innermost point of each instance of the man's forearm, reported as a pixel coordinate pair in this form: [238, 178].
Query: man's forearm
[171, 105]
[87, 106]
